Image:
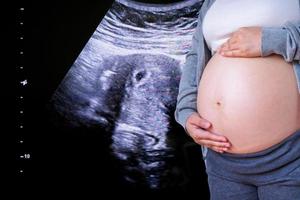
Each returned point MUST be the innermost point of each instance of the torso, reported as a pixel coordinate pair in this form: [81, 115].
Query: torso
[226, 16]
[254, 102]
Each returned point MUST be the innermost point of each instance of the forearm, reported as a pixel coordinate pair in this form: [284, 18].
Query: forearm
[187, 94]
[284, 41]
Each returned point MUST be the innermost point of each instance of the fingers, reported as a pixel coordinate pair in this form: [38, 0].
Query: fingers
[232, 53]
[229, 45]
[245, 42]
[216, 142]
[211, 143]
[217, 149]
[206, 135]
[197, 128]
[230, 48]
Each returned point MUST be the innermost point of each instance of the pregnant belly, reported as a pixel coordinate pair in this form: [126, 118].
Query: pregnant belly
[254, 102]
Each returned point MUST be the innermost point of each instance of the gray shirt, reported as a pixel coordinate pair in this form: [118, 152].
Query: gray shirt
[284, 40]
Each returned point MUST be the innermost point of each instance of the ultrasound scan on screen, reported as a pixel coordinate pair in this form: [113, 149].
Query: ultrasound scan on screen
[103, 96]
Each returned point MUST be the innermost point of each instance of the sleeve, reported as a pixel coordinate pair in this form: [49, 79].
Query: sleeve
[187, 94]
[284, 41]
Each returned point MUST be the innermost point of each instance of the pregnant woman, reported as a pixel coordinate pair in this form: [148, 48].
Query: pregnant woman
[239, 97]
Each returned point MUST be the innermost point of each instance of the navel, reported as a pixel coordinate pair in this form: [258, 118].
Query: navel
[219, 104]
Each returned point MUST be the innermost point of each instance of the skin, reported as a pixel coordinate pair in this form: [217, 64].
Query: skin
[245, 42]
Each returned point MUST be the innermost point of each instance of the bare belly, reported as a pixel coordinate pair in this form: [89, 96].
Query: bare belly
[254, 102]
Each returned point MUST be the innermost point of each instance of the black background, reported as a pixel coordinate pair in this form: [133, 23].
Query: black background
[70, 161]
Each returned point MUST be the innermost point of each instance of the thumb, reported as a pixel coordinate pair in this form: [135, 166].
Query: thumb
[203, 123]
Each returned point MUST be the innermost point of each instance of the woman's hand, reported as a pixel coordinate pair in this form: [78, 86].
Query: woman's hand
[245, 42]
[196, 127]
